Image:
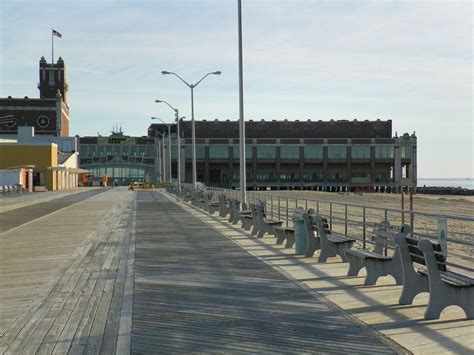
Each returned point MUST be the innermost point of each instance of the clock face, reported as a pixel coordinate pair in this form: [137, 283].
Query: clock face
[43, 121]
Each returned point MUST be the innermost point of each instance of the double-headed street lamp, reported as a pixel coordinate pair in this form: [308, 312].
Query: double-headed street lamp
[179, 138]
[163, 149]
[193, 126]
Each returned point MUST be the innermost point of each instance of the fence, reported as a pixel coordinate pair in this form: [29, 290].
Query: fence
[357, 220]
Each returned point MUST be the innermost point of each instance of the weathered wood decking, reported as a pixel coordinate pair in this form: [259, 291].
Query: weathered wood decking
[63, 275]
[68, 285]
[198, 291]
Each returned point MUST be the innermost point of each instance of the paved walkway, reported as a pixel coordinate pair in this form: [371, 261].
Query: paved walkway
[197, 291]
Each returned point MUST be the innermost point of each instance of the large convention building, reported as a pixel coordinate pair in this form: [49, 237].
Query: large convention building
[324, 155]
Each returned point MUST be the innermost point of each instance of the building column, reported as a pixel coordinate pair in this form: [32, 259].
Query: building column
[278, 164]
[301, 168]
[325, 164]
[349, 164]
[206, 164]
[372, 164]
[230, 166]
[254, 165]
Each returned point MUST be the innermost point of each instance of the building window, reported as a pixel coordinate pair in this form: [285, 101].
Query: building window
[384, 152]
[51, 77]
[337, 152]
[313, 152]
[360, 152]
[218, 152]
[200, 153]
[266, 152]
[405, 152]
[290, 153]
[248, 152]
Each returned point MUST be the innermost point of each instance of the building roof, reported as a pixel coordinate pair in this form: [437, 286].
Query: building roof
[282, 129]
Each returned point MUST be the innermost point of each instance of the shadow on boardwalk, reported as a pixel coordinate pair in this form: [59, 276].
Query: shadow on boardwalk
[198, 291]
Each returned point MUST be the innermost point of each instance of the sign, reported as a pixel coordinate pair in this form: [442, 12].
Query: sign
[443, 234]
[116, 140]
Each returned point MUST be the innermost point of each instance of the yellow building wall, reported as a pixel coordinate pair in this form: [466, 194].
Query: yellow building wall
[41, 156]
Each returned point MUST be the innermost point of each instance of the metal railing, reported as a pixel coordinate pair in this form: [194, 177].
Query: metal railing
[357, 221]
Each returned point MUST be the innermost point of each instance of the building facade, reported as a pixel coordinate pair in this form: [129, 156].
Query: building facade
[123, 159]
[323, 155]
[48, 114]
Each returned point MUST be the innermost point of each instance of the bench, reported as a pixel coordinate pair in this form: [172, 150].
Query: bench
[375, 262]
[288, 233]
[223, 205]
[211, 205]
[235, 213]
[445, 287]
[249, 217]
[330, 244]
[265, 225]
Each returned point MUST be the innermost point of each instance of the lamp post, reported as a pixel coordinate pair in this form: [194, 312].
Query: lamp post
[243, 176]
[179, 139]
[162, 135]
[193, 126]
[169, 147]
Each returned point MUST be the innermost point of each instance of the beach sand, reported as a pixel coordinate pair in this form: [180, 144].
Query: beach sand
[459, 231]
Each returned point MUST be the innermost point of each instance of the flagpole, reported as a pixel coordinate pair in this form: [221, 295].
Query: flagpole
[52, 47]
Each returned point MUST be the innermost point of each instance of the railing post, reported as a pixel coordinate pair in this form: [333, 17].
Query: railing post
[330, 216]
[271, 201]
[306, 204]
[279, 207]
[386, 215]
[363, 231]
[345, 222]
[317, 207]
[296, 202]
[287, 211]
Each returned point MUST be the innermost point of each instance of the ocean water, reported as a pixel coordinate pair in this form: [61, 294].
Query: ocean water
[466, 183]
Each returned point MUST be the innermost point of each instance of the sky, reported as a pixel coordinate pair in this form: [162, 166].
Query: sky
[408, 61]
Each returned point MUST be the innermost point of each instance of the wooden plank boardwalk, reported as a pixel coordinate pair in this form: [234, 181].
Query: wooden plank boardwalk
[197, 291]
[65, 276]
[376, 306]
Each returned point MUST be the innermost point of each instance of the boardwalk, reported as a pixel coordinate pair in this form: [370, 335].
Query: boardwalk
[197, 291]
[114, 271]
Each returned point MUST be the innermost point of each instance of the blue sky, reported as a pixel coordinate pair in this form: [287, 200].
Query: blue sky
[409, 61]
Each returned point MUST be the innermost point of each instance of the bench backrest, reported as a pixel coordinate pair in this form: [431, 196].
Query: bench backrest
[417, 257]
[384, 235]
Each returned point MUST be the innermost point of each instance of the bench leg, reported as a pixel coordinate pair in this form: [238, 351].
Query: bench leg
[280, 236]
[341, 250]
[312, 245]
[417, 284]
[290, 239]
[355, 264]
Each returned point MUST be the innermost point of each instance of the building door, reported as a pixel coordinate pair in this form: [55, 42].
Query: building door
[215, 176]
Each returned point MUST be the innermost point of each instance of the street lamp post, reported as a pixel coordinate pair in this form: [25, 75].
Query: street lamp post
[243, 174]
[179, 139]
[193, 126]
[162, 135]
[169, 148]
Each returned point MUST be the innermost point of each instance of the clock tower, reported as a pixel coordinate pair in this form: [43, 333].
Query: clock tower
[52, 78]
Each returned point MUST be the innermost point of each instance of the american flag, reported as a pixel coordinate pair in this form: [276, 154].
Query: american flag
[57, 34]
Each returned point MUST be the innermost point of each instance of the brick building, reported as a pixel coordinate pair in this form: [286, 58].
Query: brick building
[326, 155]
[48, 114]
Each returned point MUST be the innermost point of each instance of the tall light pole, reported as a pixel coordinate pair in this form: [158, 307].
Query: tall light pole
[193, 126]
[243, 176]
[169, 147]
[162, 135]
[179, 138]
